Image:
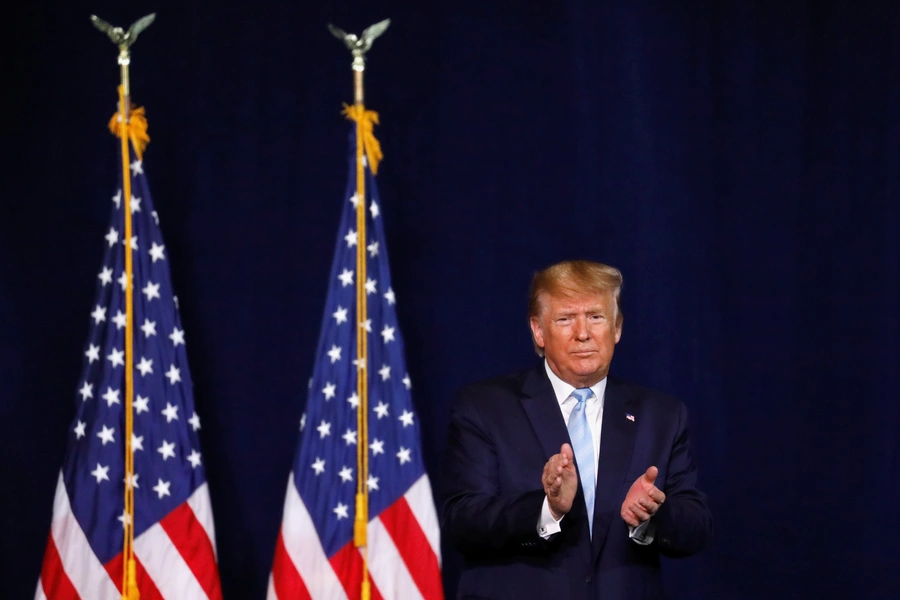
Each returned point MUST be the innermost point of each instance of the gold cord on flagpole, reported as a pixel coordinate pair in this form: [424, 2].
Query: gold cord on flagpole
[129, 583]
[367, 148]
[129, 126]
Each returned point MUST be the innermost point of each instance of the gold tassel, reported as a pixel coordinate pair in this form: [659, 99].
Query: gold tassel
[135, 129]
[359, 523]
[366, 120]
[132, 592]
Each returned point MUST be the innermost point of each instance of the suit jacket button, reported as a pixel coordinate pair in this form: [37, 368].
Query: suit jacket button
[588, 579]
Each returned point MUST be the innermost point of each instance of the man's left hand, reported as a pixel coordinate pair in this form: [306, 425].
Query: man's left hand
[643, 499]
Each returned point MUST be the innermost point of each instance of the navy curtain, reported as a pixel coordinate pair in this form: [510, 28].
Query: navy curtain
[740, 162]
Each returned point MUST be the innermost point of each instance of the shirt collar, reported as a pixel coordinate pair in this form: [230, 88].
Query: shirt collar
[563, 390]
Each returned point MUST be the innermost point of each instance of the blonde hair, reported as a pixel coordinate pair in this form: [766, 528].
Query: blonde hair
[574, 277]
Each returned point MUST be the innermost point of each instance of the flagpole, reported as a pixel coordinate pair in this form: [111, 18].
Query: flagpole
[366, 146]
[123, 129]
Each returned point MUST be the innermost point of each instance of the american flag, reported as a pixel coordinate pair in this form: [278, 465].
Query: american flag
[315, 556]
[174, 543]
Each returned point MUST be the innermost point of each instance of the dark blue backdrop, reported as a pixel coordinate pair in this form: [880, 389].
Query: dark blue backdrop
[740, 162]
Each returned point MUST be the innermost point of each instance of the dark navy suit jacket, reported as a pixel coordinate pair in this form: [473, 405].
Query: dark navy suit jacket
[502, 433]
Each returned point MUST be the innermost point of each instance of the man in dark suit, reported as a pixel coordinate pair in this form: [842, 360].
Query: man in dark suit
[562, 482]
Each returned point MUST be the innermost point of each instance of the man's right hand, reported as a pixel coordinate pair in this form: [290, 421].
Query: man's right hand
[560, 481]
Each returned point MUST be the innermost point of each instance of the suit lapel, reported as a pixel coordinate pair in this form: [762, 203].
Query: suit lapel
[540, 405]
[616, 445]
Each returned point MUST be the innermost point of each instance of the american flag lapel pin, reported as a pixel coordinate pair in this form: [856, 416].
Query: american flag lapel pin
[629, 416]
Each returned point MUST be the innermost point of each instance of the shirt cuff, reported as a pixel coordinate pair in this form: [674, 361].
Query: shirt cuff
[547, 526]
[643, 534]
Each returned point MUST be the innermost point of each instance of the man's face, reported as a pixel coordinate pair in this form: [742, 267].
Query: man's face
[578, 333]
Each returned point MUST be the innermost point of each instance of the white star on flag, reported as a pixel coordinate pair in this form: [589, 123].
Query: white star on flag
[388, 334]
[341, 511]
[346, 474]
[145, 366]
[156, 252]
[79, 430]
[319, 466]
[124, 518]
[194, 422]
[162, 488]
[403, 455]
[170, 413]
[106, 435]
[349, 437]
[149, 327]
[167, 450]
[194, 458]
[105, 276]
[111, 396]
[151, 290]
[140, 404]
[92, 353]
[173, 374]
[351, 238]
[346, 277]
[119, 319]
[177, 337]
[377, 447]
[340, 315]
[324, 429]
[334, 354]
[100, 473]
[381, 409]
[86, 391]
[370, 286]
[99, 314]
[406, 418]
[385, 372]
[329, 390]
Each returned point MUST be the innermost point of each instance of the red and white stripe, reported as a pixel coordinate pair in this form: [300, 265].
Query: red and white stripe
[176, 557]
[403, 554]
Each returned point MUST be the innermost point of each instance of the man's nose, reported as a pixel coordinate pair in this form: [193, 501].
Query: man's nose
[581, 329]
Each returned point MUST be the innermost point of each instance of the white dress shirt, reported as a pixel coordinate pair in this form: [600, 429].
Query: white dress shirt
[548, 526]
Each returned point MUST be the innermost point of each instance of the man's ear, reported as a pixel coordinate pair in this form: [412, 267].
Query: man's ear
[619, 327]
[536, 331]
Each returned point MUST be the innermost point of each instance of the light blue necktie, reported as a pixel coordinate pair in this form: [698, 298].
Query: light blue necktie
[583, 446]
